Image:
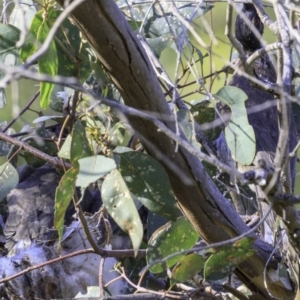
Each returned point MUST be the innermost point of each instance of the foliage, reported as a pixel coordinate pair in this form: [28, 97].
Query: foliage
[96, 146]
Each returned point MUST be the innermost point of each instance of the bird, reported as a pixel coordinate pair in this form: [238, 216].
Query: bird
[261, 108]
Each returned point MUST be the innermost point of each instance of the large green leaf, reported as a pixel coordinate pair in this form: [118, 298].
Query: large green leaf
[31, 44]
[67, 54]
[79, 145]
[63, 196]
[186, 268]
[48, 64]
[120, 205]
[92, 168]
[222, 263]
[9, 178]
[149, 182]
[72, 52]
[239, 133]
[170, 238]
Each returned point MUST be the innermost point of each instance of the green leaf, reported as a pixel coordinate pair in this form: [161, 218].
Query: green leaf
[118, 201]
[31, 44]
[186, 268]
[9, 179]
[170, 238]
[116, 134]
[92, 168]
[149, 182]
[10, 35]
[63, 196]
[79, 146]
[222, 263]
[239, 133]
[64, 151]
[48, 64]
[72, 52]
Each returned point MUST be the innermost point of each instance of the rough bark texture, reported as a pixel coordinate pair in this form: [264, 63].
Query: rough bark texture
[117, 47]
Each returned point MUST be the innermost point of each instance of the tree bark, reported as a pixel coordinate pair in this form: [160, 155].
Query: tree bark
[126, 62]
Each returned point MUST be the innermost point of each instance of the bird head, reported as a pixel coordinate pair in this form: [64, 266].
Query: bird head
[244, 33]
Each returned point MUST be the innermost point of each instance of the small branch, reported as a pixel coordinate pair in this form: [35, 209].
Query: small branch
[21, 112]
[141, 296]
[144, 290]
[102, 252]
[264, 17]
[102, 260]
[261, 52]
[15, 73]
[50, 159]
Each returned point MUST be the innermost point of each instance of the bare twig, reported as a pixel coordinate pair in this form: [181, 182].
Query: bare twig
[104, 253]
[21, 112]
[228, 32]
[101, 288]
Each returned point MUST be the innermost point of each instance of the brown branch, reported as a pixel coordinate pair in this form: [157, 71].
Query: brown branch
[56, 162]
[22, 111]
[102, 252]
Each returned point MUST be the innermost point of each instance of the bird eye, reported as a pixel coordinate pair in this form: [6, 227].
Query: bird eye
[256, 21]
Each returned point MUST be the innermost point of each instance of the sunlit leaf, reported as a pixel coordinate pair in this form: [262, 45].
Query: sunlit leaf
[120, 205]
[45, 118]
[32, 43]
[48, 64]
[149, 182]
[65, 150]
[170, 238]
[9, 179]
[92, 168]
